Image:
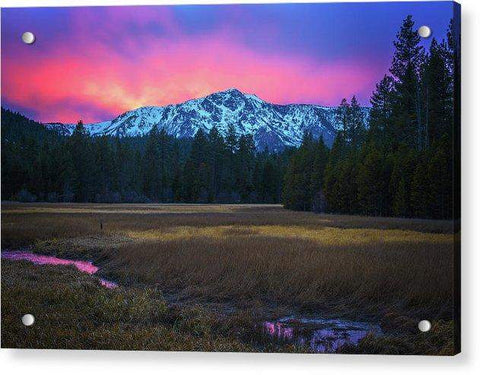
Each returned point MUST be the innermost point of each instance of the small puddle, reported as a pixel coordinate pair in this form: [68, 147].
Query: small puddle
[81, 265]
[320, 335]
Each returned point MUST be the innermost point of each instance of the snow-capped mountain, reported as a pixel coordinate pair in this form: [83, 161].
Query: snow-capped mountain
[272, 125]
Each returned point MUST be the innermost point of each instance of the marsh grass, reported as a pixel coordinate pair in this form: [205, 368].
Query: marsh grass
[72, 311]
[255, 260]
[371, 277]
[438, 341]
[323, 235]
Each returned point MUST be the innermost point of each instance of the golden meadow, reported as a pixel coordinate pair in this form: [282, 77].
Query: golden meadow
[202, 273]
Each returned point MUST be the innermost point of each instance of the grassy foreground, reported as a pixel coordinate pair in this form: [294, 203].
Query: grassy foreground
[74, 312]
[222, 269]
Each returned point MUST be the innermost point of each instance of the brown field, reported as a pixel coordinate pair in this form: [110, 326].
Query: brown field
[246, 262]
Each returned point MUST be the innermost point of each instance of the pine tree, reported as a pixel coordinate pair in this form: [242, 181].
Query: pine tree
[421, 193]
[164, 165]
[320, 160]
[342, 116]
[356, 124]
[105, 180]
[441, 170]
[197, 171]
[298, 188]
[372, 182]
[151, 171]
[231, 165]
[216, 162]
[439, 97]
[404, 164]
[82, 164]
[177, 178]
[332, 182]
[380, 119]
[245, 160]
[406, 68]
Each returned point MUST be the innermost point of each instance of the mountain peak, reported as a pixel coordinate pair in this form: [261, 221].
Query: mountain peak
[272, 126]
[232, 90]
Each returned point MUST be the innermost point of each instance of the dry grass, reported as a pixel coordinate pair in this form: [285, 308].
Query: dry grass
[74, 312]
[124, 208]
[323, 236]
[24, 224]
[371, 277]
[251, 252]
[258, 255]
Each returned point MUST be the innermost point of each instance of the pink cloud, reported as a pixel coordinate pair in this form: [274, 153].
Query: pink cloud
[108, 82]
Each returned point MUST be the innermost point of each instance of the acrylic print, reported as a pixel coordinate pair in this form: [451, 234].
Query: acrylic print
[258, 178]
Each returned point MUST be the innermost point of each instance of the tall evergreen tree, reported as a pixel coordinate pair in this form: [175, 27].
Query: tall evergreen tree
[197, 172]
[356, 124]
[82, 164]
[372, 182]
[320, 160]
[216, 158]
[439, 97]
[164, 165]
[380, 119]
[151, 171]
[303, 185]
[245, 160]
[231, 165]
[333, 184]
[406, 67]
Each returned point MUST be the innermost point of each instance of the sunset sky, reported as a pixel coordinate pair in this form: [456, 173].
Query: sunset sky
[93, 63]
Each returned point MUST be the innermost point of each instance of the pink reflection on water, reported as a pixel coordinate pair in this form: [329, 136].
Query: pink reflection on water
[278, 330]
[330, 340]
[321, 335]
[81, 265]
[108, 284]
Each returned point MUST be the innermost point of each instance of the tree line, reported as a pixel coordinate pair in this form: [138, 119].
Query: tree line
[402, 162]
[39, 164]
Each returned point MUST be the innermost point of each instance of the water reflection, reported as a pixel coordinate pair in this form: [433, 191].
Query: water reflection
[321, 335]
[81, 265]
[278, 331]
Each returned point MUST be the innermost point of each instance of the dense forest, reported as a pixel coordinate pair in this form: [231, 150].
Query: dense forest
[40, 164]
[400, 164]
[403, 163]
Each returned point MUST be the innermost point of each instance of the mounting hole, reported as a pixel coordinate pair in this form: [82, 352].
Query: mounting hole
[28, 37]
[424, 31]
[424, 325]
[28, 319]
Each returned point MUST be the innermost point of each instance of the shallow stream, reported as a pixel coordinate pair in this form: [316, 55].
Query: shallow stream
[81, 265]
[320, 335]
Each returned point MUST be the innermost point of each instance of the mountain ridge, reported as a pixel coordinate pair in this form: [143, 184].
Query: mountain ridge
[273, 126]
